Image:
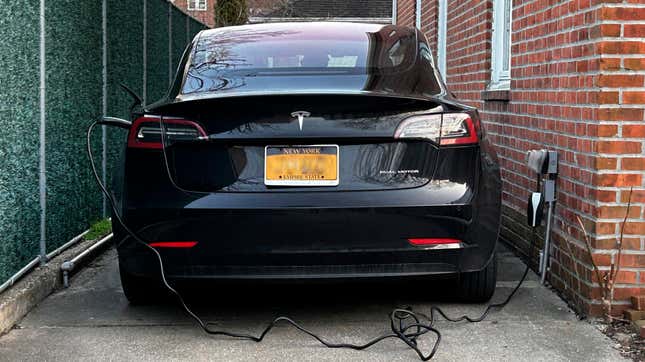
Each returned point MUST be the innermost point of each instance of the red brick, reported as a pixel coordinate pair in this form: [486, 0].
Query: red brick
[621, 47]
[608, 97]
[634, 97]
[635, 228]
[603, 228]
[617, 180]
[605, 163]
[620, 114]
[617, 212]
[626, 293]
[620, 13]
[634, 130]
[633, 164]
[620, 80]
[635, 64]
[618, 147]
[634, 30]
[610, 29]
[610, 63]
[627, 277]
[632, 261]
[605, 195]
[602, 259]
[607, 130]
[609, 244]
[637, 196]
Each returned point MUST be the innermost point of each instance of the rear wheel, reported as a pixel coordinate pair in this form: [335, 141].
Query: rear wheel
[139, 290]
[479, 286]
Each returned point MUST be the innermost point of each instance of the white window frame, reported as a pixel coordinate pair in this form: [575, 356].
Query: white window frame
[197, 5]
[501, 45]
[442, 33]
[418, 15]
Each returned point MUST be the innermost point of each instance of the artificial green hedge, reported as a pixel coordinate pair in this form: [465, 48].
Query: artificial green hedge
[74, 98]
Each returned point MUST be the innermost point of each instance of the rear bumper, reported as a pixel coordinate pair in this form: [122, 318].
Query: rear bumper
[315, 235]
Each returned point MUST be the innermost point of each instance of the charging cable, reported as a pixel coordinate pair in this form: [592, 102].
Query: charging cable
[405, 324]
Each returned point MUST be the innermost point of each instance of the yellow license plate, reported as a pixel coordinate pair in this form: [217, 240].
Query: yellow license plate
[301, 165]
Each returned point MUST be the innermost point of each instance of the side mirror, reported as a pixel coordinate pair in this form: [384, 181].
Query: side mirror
[116, 122]
[535, 209]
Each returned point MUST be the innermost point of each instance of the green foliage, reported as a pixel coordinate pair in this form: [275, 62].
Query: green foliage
[230, 12]
[74, 98]
[99, 229]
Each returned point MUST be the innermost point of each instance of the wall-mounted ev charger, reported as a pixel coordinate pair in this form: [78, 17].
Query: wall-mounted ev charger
[545, 164]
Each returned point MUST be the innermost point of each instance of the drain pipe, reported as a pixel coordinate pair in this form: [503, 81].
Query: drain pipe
[68, 266]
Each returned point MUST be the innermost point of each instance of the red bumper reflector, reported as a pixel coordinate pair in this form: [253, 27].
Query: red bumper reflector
[434, 241]
[174, 244]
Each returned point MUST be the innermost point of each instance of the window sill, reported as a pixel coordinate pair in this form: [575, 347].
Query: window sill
[502, 95]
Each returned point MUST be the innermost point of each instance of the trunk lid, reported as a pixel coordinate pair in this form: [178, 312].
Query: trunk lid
[240, 129]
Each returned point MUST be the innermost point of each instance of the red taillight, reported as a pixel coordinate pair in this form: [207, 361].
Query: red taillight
[433, 241]
[466, 138]
[174, 244]
[146, 131]
[445, 129]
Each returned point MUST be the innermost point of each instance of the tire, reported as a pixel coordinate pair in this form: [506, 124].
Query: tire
[139, 290]
[479, 286]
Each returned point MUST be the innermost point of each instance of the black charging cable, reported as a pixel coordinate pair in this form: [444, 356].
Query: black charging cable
[405, 324]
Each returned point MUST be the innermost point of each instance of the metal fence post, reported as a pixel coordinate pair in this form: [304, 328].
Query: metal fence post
[42, 179]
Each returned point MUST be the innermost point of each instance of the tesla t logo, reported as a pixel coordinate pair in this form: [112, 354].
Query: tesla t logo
[301, 117]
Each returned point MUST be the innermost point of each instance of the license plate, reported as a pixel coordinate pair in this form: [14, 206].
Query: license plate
[301, 165]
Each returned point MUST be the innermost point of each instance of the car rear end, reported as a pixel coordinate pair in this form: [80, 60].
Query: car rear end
[324, 184]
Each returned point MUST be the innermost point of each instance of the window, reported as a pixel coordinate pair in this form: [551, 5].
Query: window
[263, 54]
[441, 37]
[501, 56]
[417, 11]
[197, 5]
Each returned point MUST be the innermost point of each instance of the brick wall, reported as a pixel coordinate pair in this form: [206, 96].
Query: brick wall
[205, 17]
[429, 18]
[620, 147]
[406, 12]
[578, 72]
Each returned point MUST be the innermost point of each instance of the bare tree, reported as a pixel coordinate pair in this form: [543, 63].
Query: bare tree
[606, 279]
[230, 12]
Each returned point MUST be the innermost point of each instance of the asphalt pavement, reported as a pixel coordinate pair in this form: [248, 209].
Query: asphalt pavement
[92, 320]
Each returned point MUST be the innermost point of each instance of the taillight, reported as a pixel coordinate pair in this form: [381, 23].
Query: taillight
[174, 244]
[433, 241]
[146, 131]
[444, 129]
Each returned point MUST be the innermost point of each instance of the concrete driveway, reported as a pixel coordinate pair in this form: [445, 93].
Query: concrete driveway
[92, 321]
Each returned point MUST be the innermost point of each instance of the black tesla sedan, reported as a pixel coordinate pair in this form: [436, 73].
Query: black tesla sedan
[309, 151]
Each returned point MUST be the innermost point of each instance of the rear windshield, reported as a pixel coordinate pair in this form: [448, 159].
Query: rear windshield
[309, 52]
